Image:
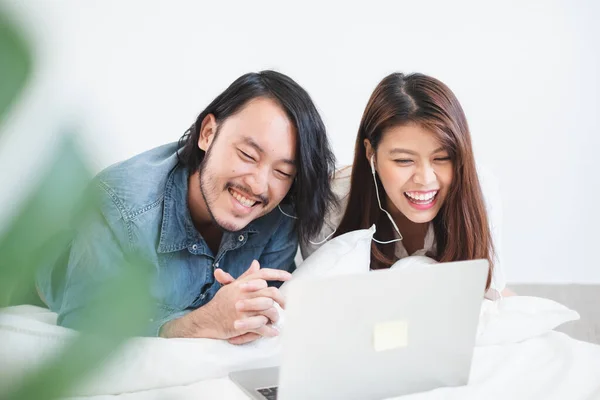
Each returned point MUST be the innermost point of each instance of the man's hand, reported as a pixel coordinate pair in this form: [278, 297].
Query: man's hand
[241, 310]
[271, 313]
[261, 305]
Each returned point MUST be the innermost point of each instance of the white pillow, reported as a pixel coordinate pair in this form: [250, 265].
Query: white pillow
[349, 253]
[517, 318]
[413, 262]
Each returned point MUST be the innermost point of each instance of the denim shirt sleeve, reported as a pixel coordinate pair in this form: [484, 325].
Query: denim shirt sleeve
[95, 258]
[281, 249]
[163, 317]
[98, 253]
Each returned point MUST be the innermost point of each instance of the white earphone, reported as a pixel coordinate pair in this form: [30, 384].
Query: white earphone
[381, 208]
[372, 162]
[315, 243]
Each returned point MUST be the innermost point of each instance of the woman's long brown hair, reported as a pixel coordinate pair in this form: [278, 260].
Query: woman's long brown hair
[461, 227]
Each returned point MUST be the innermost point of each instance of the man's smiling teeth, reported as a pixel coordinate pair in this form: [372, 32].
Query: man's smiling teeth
[243, 200]
[421, 197]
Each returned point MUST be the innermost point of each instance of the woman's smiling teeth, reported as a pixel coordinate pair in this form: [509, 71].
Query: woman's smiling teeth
[246, 202]
[421, 197]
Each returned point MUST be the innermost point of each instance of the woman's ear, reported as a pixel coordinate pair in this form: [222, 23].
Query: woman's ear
[368, 149]
[208, 129]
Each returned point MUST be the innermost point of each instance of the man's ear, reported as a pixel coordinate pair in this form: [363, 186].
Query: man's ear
[208, 129]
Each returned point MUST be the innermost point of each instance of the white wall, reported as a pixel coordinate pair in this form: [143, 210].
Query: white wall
[133, 75]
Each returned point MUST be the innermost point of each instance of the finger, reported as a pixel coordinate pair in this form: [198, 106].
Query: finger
[254, 267]
[254, 304]
[271, 292]
[272, 314]
[223, 277]
[267, 331]
[268, 274]
[245, 338]
[250, 323]
[254, 285]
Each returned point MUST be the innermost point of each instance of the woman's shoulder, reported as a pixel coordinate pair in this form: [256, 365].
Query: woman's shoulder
[341, 182]
[340, 185]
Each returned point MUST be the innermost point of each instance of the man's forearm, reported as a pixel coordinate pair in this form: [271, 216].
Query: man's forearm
[200, 323]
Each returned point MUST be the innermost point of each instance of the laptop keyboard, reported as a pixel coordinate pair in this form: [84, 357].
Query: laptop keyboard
[269, 393]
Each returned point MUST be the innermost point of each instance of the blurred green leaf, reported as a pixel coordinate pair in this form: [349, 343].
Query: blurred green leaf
[116, 310]
[42, 228]
[41, 232]
[119, 312]
[15, 63]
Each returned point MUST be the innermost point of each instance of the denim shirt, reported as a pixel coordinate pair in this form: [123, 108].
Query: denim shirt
[143, 210]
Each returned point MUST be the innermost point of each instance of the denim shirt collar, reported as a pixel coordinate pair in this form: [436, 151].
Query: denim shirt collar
[177, 229]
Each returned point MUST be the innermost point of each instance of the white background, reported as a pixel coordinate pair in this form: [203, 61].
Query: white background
[131, 75]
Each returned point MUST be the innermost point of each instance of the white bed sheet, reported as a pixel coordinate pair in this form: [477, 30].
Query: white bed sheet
[551, 366]
[518, 356]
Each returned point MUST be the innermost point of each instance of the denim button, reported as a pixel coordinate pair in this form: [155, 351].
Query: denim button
[195, 247]
[241, 238]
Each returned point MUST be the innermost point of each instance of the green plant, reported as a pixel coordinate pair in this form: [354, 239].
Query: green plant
[40, 231]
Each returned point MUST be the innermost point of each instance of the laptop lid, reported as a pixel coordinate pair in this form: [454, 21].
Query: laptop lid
[381, 334]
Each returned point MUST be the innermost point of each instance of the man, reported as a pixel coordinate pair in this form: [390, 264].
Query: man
[217, 215]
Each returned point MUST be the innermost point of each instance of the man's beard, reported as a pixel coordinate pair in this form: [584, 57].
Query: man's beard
[208, 185]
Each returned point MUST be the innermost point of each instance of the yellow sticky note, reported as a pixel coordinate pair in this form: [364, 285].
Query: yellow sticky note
[390, 335]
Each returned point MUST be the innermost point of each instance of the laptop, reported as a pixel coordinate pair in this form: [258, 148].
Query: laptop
[380, 334]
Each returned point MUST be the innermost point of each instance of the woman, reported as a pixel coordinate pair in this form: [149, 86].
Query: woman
[414, 177]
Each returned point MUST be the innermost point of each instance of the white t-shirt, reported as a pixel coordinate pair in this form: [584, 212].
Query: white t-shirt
[491, 194]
